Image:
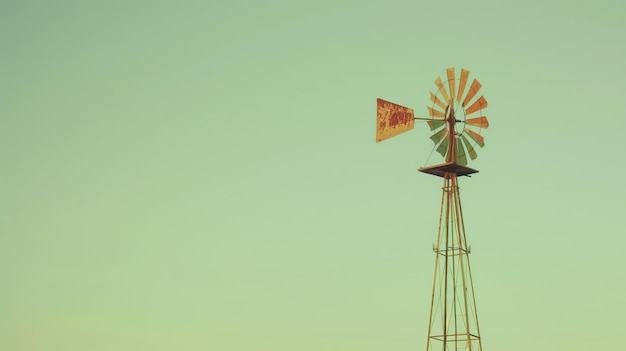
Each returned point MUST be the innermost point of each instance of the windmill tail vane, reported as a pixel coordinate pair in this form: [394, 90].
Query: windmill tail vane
[456, 121]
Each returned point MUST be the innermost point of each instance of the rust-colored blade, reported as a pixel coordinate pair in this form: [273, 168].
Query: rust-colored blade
[442, 89]
[461, 159]
[474, 88]
[392, 119]
[435, 124]
[435, 113]
[443, 147]
[480, 104]
[451, 82]
[480, 122]
[436, 138]
[436, 100]
[464, 74]
[469, 147]
[476, 137]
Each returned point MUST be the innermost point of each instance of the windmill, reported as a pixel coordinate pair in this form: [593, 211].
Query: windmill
[456, 122]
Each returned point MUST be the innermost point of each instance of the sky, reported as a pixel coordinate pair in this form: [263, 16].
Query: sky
[203, 175]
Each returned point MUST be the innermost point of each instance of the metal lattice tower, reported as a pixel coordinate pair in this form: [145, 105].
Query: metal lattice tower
[453, 321]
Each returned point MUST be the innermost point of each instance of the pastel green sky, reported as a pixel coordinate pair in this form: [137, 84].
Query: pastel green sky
[202, 175]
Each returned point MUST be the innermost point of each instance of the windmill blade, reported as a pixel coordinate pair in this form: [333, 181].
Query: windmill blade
[461, 159]
[476, 137]
[451, 82]
[442, 89]
[435, 113]
[469, 147]
[480, 104]
[464, 74]
[436, 100]
[474, 88]
[436, 138]
[443, 147]
[435, 124]
[480, 122]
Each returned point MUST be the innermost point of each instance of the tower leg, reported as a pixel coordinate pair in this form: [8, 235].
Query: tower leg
[453, 321]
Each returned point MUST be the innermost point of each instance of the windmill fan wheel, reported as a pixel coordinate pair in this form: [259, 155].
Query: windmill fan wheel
[457, 115]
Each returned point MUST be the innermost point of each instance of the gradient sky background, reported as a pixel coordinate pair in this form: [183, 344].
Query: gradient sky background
[204, 176]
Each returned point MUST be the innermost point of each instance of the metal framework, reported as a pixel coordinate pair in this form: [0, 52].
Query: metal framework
[453, 321]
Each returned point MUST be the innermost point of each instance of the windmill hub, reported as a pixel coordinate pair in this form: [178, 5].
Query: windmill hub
[454, 124]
